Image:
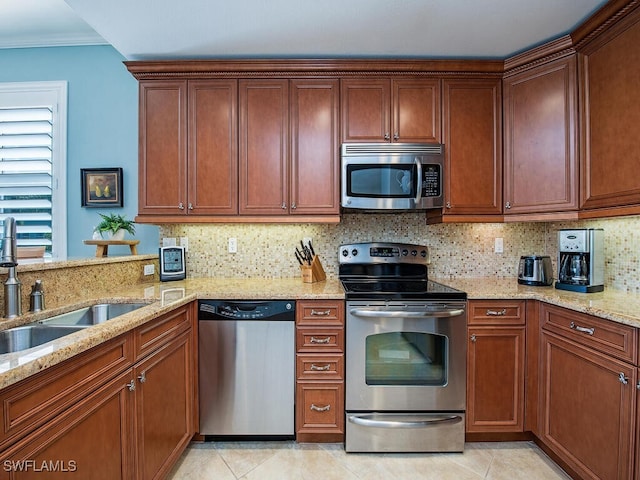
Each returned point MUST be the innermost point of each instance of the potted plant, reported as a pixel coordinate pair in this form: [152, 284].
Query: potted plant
[114, 227]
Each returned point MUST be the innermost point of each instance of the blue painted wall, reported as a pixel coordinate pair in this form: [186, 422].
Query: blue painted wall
[102, 129]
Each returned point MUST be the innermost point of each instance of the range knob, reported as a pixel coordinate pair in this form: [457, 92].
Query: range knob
[414, 253]
[405, 252]
[345, 252]
[423, 253]
[354, 252]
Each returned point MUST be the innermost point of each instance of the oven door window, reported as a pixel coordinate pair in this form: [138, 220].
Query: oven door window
[382, 181]
[406, 358]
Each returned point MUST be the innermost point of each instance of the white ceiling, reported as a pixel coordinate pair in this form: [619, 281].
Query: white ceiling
[163, 29]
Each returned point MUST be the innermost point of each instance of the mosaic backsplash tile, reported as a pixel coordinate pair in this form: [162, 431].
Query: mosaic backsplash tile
[456, 250]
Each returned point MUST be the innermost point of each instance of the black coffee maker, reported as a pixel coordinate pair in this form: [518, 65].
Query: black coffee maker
[581, 260]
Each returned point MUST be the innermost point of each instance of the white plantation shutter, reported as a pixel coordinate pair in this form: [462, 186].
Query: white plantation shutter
[31, 162]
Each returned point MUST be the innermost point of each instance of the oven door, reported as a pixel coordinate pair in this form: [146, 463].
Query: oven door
[406, 356]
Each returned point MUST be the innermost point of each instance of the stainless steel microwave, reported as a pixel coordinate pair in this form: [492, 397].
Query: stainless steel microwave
[392, 176]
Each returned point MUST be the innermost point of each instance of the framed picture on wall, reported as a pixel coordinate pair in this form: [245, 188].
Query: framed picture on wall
[101, 187]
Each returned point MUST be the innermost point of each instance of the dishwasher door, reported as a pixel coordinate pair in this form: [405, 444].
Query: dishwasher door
[247, 377]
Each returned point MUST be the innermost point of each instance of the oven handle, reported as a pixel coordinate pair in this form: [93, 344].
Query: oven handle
[403, 314]
[428, 421]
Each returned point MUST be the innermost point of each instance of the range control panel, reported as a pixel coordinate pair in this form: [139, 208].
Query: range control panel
[383, 253]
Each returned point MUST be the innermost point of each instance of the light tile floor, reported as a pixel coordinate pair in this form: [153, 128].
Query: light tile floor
[290, 460]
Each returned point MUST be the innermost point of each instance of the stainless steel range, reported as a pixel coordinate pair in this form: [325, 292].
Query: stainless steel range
[405, 352]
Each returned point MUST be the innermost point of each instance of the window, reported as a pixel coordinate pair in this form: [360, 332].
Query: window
[33, 118]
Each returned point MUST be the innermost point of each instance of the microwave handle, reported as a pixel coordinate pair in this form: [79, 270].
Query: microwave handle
[418, 181]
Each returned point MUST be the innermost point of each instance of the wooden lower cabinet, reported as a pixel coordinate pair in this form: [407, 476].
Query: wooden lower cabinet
[106, 417]
[164, 407]
[587, 406]
[90, 441]
[320, 371]
[495, 367]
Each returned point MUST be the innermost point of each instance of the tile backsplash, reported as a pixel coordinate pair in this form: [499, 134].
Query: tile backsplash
[456, 250]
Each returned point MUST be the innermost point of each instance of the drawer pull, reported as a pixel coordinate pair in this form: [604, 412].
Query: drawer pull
[320, 409]
[320, 313]
[497, 313]
[623, 380]
[588, 331]
[131, 385]
[320, 340]
[319, 368]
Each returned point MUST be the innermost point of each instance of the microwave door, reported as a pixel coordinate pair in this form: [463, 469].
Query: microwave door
[382, 181]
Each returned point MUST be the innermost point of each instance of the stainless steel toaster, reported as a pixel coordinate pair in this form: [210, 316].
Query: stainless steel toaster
[535, 270]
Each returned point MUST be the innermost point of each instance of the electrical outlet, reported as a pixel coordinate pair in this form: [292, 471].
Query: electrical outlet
[498, 245]
[233, 245]
[184, 242]
[169, 242]
[149, 269]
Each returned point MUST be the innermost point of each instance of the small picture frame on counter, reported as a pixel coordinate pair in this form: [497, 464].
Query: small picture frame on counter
[101, 187]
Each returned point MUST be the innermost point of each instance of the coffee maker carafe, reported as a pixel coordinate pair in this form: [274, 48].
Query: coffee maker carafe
[581, 260]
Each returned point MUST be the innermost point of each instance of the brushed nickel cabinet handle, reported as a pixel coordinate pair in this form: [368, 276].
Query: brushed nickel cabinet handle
[473, 337]
[318, 368]
[396, 137]
[326, 408]
[142, 377]
[283, 206]
[387, 136]
[448, 205]
[497, 313]
[623, 379]
[320, 340]
[507, 205]
[181, 206]
[190, 207]
[578, 328]
[131, 385]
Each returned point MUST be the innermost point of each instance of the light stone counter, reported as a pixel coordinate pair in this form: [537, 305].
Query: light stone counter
[162, 298]
[614, 305]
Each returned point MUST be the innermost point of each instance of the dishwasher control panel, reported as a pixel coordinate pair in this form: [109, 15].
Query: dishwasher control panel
[246, 310]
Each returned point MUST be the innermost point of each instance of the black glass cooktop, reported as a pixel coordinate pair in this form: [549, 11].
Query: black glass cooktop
[400, 289]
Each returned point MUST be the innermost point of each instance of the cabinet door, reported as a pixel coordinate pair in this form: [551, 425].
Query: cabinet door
[90, 441]
[315, 163]
[366, 110]
[264, 120]
[540, 165]
[416, 111]
[162, 166]
[473, 146]
[164, 401]
[495, 379]
[213, 151]
[586, 408]
[611, 117]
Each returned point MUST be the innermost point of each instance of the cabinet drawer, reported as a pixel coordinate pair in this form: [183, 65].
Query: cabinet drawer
[319, 367]
[318, 339]
[155, 333]
[615, 339]
[320, 313]
[496, 312]
[320, 408]
[30, 403]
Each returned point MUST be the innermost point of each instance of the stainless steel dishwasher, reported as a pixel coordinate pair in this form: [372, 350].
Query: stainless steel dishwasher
[247, 368]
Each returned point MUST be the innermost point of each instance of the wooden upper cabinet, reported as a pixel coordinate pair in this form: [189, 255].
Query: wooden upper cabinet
[472, 132]
[315, 161]
[609, 73]
[162, 147]
[384, 110]
[540, 130]
[213, 147]
[264, 120]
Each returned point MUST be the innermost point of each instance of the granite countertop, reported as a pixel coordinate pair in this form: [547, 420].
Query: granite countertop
[162, 298]
[614, 305]
[619, 306]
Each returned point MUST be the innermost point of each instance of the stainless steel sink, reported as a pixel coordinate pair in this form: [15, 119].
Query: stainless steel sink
[28, 336]
[93, 315]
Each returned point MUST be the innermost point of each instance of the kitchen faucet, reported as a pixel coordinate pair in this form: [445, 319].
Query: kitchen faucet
[9, 259]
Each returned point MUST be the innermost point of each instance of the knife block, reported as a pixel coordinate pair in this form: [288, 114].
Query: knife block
[314, 272]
